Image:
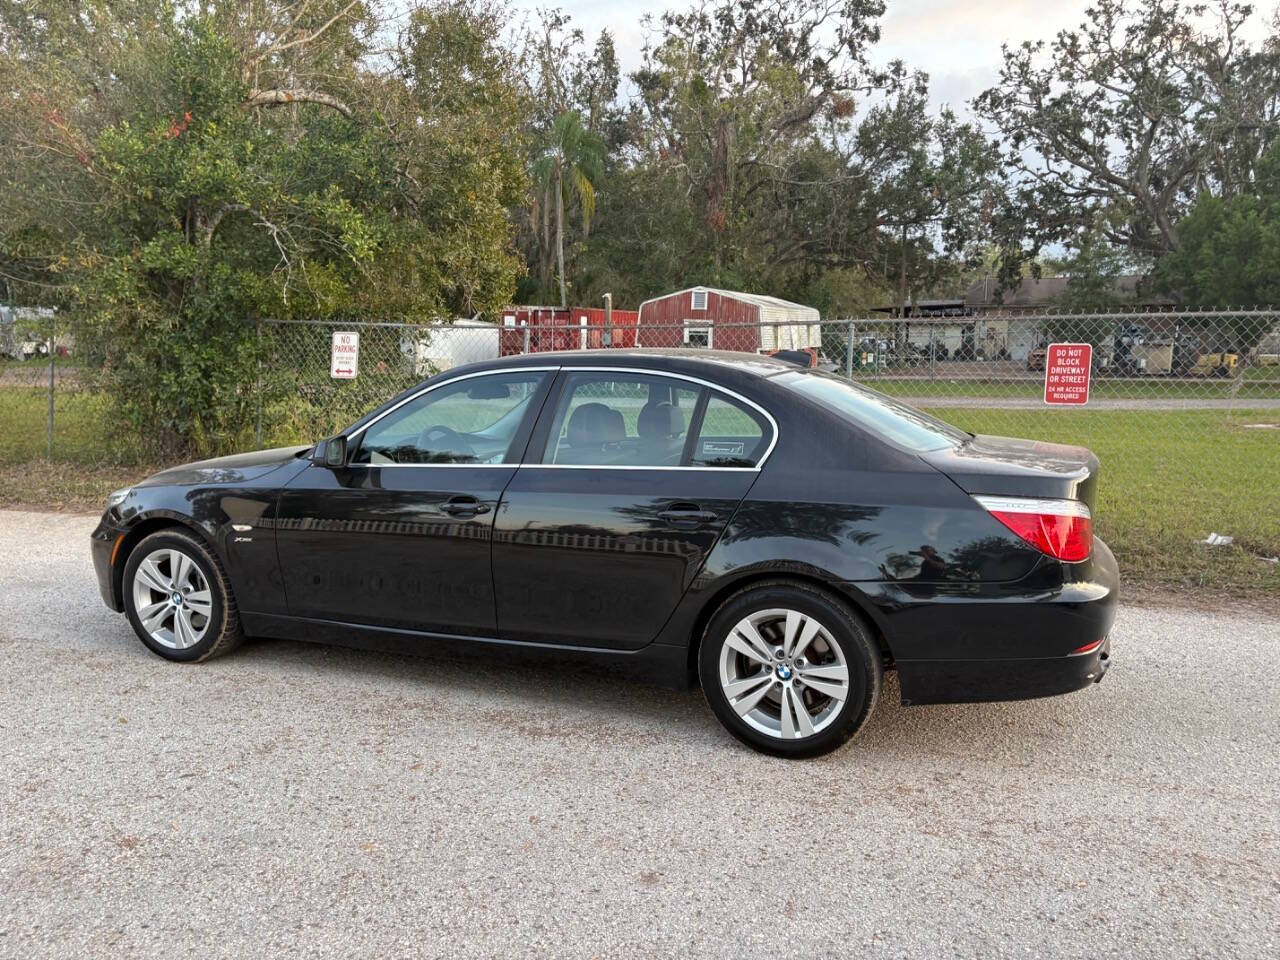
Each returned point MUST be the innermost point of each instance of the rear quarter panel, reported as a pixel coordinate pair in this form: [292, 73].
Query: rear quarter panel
[877, 523]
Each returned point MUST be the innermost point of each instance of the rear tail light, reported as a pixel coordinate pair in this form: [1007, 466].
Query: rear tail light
[1060, 528]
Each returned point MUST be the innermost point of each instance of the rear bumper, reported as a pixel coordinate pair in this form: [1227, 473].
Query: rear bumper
[978, 681]
[1033, 639]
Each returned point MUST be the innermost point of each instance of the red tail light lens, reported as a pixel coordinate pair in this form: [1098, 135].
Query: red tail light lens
[1060, 528]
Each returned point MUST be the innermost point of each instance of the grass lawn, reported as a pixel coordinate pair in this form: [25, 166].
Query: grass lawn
[1156, 388]
[1169, 478]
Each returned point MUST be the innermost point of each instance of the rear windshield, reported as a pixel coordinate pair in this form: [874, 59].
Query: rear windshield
[891, 419]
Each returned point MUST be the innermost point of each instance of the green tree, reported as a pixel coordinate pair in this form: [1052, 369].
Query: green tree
[767, 153]
[566, 170]
[172, 176]
[1125, 120]
[1229, 249]
[1227, 256]
[564, 76]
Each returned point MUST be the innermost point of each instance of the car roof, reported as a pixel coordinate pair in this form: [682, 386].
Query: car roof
[679, 359]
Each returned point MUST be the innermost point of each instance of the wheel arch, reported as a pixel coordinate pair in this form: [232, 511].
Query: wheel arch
[149, 524]
[843, 593]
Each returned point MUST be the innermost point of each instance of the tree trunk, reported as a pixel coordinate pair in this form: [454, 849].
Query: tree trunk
[564, 300]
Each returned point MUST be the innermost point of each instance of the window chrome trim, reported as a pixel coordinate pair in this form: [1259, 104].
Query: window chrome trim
[573, 466]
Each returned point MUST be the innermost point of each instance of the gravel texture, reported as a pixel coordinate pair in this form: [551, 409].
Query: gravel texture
[311, 801]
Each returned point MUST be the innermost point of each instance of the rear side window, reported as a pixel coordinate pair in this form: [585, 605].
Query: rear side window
[621, 420]
[731, 435]
[891, 419]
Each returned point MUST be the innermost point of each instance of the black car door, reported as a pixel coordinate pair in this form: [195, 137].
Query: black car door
[629, 480]
[400, 536]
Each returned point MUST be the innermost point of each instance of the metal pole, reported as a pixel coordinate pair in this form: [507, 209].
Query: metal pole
[257, 432]
[848, 354]
[933, 353]
[49, 444]
[526, 334]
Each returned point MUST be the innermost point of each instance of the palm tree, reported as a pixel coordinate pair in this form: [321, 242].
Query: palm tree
[569, 166]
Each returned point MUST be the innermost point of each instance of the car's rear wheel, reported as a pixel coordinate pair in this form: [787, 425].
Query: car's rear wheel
[789, 669]
[178, 600]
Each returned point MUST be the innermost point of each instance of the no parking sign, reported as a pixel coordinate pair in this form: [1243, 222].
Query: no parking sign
[344, 358]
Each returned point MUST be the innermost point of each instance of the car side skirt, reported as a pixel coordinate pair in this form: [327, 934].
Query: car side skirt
[655, 663]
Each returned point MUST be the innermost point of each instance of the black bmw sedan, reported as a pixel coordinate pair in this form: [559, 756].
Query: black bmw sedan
[781, 535]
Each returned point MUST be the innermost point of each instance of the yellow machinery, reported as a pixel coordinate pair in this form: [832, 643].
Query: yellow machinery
[1214, 365]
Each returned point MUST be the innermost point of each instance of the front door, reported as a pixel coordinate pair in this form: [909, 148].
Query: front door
[400, 537]
[629, 481]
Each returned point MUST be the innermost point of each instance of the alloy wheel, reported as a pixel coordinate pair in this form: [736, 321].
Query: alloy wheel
[172, 599]
[783, 673]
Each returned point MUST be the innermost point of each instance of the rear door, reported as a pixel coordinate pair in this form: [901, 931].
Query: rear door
[629, 481]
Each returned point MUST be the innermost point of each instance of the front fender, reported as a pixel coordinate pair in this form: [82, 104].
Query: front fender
[236, 521]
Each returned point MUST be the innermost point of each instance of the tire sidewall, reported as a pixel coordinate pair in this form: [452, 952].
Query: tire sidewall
[860, 654]
[197, 553]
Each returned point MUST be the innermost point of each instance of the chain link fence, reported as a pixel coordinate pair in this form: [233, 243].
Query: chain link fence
[1183, 408]
[47, 405]
[993, 364]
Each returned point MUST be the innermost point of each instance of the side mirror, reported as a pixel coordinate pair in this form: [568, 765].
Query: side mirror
[331, 453]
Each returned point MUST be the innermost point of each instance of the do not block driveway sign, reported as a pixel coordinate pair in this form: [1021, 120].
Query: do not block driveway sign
[344, 358]
[1066, 373]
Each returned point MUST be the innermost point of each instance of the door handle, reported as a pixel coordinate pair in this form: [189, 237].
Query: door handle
[464, 506]
[686, 515]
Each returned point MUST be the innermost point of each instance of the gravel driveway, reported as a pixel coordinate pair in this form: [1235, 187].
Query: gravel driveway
[311, 801]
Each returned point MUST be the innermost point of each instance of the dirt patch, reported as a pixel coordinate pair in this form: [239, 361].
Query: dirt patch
[1201, 598]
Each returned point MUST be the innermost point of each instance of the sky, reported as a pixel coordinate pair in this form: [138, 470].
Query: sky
[956, 43]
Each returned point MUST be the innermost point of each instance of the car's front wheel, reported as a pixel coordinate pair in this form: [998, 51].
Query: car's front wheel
[789, 669]
[177, 598]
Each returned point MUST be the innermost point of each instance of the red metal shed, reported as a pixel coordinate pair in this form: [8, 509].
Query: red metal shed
[530, 329]
[727, 320]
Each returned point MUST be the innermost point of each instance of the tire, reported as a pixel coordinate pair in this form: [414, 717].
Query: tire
[729, 656]
[200, 627]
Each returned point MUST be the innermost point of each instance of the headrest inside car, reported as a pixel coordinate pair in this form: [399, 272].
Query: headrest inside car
[660, 420]
[594, 424]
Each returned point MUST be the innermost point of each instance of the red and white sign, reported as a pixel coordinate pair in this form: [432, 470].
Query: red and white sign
[344, 360]
[1066, 373]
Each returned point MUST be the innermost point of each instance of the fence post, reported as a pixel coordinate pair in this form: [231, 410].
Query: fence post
[933, 354]
[526, 336]
[49, 438]
[848, 354]
[257, 333]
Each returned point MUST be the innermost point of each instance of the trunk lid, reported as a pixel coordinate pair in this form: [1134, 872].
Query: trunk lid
[1019, 468]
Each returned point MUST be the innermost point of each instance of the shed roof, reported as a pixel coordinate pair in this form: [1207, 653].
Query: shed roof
[771, 308]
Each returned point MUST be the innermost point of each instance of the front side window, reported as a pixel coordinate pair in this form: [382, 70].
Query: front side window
[473, 420]
[621, 420]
